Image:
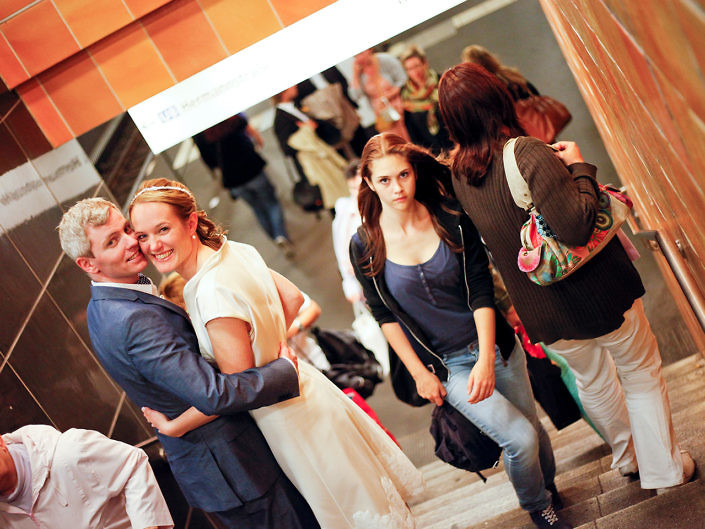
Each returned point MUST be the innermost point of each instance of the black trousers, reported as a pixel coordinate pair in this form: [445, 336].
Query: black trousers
[282, 507]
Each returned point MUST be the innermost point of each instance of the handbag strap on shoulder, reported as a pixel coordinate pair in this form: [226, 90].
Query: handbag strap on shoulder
[517, 185]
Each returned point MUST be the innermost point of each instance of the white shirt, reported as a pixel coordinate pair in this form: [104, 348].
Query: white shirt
[83, 480]
[290, 108]
[319, 81]
[147, 289]
[21, 497]
[345, 224]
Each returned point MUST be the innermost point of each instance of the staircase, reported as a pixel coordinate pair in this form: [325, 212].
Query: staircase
[595, 496]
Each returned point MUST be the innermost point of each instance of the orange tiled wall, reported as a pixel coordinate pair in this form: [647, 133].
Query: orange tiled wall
[77, 64]
[640, 65]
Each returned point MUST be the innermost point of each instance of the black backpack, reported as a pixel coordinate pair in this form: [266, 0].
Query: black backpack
[351, 364]
[460, 443]
[403, 383]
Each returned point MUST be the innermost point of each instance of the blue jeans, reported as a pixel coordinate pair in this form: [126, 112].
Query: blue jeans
[509, 417]
[260, 195]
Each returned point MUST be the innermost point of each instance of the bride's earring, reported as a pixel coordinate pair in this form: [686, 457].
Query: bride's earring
[193, 236]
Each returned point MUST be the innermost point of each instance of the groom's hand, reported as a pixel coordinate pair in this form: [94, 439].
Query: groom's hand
[286, 352]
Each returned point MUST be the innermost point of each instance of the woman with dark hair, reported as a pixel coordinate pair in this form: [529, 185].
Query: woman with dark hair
[594, 318]
[426, 279]
[518, 86]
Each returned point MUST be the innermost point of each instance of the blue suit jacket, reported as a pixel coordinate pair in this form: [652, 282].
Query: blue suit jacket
[148, 346]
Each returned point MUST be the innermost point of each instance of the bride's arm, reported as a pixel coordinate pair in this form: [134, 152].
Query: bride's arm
[226, 335]
[290, 296]
[230, 340]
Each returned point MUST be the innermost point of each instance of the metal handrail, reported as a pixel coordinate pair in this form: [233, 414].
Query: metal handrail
[672, 253]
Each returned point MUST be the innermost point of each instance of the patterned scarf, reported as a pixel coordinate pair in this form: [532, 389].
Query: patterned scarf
[425, 97]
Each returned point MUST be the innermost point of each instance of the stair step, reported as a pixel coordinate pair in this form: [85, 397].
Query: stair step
[585, 504]
[686, 364]
[594, 495]
[679, 509]
[478, 503]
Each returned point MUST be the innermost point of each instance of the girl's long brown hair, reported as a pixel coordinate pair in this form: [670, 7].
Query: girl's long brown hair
[478, 112]
[430, 191]
[184, 203]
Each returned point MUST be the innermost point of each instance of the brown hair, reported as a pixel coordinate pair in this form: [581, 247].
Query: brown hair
[479, 55]
[182, 200]
[172, 288]
[352, 168]
[478, 112]
[430, 191]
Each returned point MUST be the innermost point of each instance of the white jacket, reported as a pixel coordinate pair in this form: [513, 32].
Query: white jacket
[345, 224]
[83, 480]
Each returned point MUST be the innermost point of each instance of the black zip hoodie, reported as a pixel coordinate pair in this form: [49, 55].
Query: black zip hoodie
[478, 287]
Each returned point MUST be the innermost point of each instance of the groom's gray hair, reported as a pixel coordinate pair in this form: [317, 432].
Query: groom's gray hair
[72, 228]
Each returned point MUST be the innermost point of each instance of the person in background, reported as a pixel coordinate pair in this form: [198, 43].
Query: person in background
[345, 224]
[172, 289]
[76, 479]
[232, 146]
[426, 279]
[349, 121]
[594, 318]
[379, 77]
[420, 97]
[309, 143]
[516, 83]
[299, 338]
[307, 349]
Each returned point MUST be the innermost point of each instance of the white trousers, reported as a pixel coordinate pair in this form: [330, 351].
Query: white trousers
[634, 416]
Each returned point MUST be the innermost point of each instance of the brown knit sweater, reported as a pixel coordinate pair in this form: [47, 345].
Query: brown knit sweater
[590, 302]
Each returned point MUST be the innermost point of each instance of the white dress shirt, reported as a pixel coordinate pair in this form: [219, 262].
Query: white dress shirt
[83, 480]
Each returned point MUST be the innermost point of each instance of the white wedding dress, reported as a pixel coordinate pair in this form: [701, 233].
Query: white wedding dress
[347, 468]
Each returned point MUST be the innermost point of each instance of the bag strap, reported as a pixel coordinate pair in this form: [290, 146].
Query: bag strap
[517, 185]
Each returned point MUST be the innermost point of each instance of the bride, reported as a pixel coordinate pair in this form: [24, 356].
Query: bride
[347, 468]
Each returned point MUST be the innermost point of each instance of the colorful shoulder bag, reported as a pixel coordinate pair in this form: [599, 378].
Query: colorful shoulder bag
[542, 256]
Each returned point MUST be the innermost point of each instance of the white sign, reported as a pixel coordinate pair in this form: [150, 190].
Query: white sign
[66, 171]
[275, 63]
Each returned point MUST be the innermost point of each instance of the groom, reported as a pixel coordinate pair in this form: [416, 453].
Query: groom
[148, 346]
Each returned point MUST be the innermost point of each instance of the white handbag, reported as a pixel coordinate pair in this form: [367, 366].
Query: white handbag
[368, 332]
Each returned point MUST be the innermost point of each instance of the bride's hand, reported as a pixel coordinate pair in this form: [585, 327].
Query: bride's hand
[158, 420]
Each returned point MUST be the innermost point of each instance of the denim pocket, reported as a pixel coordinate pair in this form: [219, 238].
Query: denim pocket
[462, 357]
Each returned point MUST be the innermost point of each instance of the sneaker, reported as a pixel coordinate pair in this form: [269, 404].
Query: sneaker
[548, 519]
[688, 472]
[556, 499]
